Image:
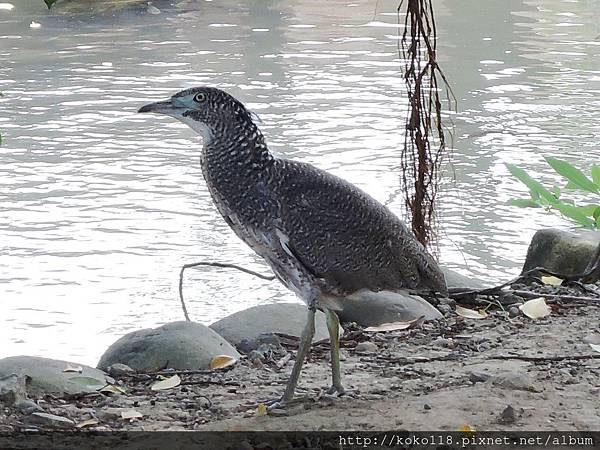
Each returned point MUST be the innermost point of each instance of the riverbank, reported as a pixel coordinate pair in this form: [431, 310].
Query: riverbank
[498, 372]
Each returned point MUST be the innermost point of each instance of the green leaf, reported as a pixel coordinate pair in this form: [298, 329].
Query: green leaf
[589, 210]
[524, 203]
[49, 3]
[572, 174]
[88, 382]
[596, 174]
[535, 187]
[573, 213]
[596, 213]
[556, 191]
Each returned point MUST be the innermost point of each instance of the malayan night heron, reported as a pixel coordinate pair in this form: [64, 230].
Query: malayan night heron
[324, 238]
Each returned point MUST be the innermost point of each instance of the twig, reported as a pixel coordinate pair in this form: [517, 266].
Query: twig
[214, 264]
[546, 358]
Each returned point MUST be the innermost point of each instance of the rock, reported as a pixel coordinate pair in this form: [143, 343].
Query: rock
[269, 342]
[40, 418]
[12, 389]
[508, 415]
[516, 381]
[47, 376]
[286, 318]
[455, 280]
[514, 311]
[368, 308]
[177, 345]
[28, 406]
[118, 370]
[563, 252]
[109, 414]
[366, 347]
[478, 376]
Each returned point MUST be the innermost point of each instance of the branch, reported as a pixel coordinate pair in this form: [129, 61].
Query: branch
[214, 264]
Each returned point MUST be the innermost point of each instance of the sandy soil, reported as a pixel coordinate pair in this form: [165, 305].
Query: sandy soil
[493, 373]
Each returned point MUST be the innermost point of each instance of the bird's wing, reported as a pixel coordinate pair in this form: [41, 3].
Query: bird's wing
[342, 235]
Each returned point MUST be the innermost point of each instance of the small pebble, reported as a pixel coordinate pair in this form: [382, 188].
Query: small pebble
[513, 311]
[426, 406]
[366, 347]
[508, 415]
[479, 377]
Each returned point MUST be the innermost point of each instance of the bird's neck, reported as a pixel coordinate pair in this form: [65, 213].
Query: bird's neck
[237, 147]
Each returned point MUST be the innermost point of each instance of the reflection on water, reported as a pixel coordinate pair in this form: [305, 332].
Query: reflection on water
[100, 206]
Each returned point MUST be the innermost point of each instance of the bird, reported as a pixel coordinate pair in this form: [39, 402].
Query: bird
[324, 238]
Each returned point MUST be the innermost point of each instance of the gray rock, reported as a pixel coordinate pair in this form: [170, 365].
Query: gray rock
[177, 345]
[109, 414]
[519, 381]
[40, 418]
[286, 318]
[366, 347]
[508, 415]
[564, 252]
[513, 311]
[47, 376]
[456, 280]
[477, 376]
[118, 370]
[368, 308]
[28, 406]
[12, 389]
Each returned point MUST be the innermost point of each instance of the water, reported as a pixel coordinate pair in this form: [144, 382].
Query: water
[100, 207]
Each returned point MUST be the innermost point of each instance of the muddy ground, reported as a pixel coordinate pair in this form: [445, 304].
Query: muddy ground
[499, 372]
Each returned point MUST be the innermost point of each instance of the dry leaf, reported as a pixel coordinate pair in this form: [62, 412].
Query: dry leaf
[595, 347]
[168, 383]
[261, 410]
[466, 428]
[394, 326]
[131, 414]
[470, 313]
[535, 308]
[71, 368]
[112, 389]
[552, 281]
[87, 423]
[221, 361]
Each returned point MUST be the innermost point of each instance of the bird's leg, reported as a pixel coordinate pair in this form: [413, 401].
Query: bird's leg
[333, 325]
[305, 343]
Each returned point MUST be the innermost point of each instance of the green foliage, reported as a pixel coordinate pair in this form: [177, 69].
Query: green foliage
[49, 3]
[586, 215]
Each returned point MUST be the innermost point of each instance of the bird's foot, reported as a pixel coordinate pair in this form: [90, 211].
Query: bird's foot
[281, 403]
[336, 391]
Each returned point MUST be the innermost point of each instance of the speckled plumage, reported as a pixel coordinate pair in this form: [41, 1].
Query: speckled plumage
[322, 236]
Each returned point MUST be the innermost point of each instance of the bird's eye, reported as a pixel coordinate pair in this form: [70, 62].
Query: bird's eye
[199, 97]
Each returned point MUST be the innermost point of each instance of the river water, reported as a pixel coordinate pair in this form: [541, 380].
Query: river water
[100, 206]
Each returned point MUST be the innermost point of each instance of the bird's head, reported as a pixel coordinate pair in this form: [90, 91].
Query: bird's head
[208, 111]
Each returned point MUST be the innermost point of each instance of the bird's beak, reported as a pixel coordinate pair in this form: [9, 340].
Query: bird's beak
[166, 107]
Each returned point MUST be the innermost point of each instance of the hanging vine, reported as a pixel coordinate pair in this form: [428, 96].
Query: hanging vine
[424, 143]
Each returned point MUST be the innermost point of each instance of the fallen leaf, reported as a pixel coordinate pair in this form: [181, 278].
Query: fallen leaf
[88, 382]
[221, 361]
[470, 313]
[466, 428]
[535, 308]
[112, 389]
[261, 410]
[131, 414]
[552, 281]
[394, 326]
[71, 368]
[168, 383]
[87, 423]
[595, 347]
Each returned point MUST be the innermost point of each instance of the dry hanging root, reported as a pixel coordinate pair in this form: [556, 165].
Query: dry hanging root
[424, 140]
